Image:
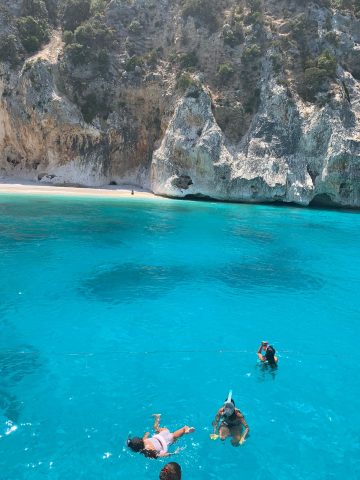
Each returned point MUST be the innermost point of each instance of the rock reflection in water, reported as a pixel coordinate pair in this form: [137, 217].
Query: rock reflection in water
[10, 406]
[273, 275]
[129, 282]
[15, 365]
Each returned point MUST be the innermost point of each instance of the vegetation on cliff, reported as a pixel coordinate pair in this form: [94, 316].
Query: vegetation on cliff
[227, 45]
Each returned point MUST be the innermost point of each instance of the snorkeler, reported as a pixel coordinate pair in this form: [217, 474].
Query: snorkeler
[269, 356]
[232, 424]
[157, 445]
[171, 471]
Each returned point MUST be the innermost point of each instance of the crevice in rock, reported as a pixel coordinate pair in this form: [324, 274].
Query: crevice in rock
[182, 182]
[199, 196]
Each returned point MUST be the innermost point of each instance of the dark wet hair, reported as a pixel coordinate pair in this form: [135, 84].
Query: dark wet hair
[232, 401]
[136, 444]
[270, 355]
[171, 471]
[149, 453]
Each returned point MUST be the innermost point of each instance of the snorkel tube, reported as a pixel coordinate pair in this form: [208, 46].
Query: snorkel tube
[229, 406]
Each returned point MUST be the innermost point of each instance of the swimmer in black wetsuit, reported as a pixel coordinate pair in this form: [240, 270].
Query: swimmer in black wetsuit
[232, 424]
[269, 356]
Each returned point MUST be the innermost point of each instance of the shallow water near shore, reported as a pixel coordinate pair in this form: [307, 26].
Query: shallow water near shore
[112, 310]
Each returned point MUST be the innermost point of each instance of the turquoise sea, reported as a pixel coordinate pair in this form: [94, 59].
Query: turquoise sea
[111, 310]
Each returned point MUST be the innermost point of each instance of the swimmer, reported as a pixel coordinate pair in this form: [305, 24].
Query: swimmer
[233, 423]
[269, 356]
[157, 445]
[171, 471]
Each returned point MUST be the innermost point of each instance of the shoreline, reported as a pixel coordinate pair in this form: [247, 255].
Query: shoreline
[26, 187]
[116, 191]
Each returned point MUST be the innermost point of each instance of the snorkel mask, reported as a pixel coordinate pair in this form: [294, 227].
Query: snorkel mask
[229, 407]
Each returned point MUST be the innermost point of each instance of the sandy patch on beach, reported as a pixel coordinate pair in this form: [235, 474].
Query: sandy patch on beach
[113, 191]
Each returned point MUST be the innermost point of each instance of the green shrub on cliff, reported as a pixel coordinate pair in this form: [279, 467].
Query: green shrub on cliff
[94, 34]
[98, 6]
[32, 32]
[204, 10]
[134, 27]
[317, 74]
[40, 9]
[186, 81]
[68, 37]
[133, 62]
[89, 43]
[9, 51]
[254, 19]
[225, 71]
[34, 8]
[153, 56]
[77, 53]
[302, 26]
[188, 60]
[233, 34]
[327, 62]
[90, 107]
[74, 13]
[250, 53]
[254, 5]
[314, 80]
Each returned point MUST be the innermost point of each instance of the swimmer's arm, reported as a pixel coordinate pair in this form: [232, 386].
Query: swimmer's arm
[169, 454]
[146, 435]
[216, 421]
[246, 428]
[259, 354]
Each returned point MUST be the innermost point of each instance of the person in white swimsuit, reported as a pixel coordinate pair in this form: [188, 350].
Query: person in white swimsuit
[157, 445]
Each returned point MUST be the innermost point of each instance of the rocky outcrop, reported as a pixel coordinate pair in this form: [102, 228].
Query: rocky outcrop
[291, 153]
[249, 135]
[43, 135]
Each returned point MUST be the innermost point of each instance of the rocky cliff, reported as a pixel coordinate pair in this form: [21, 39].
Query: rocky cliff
[254, 101]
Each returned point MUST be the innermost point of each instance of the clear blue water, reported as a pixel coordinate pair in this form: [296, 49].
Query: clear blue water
[124, 308]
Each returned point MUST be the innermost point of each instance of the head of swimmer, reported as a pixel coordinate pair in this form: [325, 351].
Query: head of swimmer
[229, 408]
[136, 444]
[270, 355]
[171, 471]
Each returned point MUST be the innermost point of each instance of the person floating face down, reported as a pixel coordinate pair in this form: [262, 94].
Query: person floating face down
[157, 445]
[171, 471]
[266, 354]
[232, 423]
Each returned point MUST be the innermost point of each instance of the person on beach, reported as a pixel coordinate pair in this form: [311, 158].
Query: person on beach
[157, 445]
[171, 471]
[266, 354]
[233, 423]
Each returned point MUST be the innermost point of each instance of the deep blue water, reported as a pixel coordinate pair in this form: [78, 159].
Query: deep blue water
[112, 310]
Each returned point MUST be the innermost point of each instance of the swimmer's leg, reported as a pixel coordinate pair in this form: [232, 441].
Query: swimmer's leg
[182, 431]
[224, 432]
[157, 417]
[236, 434]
